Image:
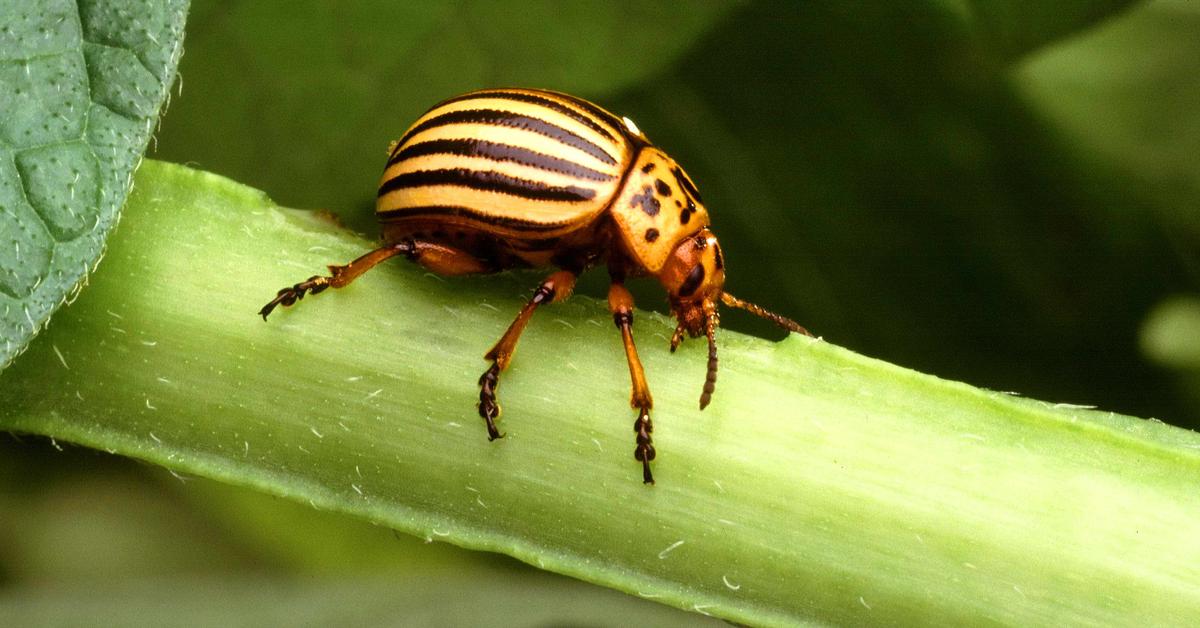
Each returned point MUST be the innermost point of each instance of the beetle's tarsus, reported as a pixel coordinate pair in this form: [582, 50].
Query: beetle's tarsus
[289, 296]
[489, 410]
[645, 445]
[556, 287]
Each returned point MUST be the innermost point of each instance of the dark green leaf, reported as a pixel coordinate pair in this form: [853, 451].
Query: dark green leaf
[81, 85]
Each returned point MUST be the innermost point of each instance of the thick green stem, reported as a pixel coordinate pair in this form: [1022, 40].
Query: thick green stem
[819, 485]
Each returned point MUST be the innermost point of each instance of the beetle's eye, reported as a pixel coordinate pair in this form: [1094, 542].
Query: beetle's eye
[693, 281]
[701, 241]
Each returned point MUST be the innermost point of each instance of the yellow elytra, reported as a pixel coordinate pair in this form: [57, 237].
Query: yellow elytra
[509, 178]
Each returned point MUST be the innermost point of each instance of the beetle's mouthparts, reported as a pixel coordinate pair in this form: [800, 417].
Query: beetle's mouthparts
[692, 319]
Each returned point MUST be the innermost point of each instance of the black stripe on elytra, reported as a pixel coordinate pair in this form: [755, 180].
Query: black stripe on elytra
[487, 181]
[458, 211]
[499, 152]
[693, 281]
[591, 108]
[686, 183]
[516, 121]
[534, 99]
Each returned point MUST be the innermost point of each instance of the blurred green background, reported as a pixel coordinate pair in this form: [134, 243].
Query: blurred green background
[1003, 193]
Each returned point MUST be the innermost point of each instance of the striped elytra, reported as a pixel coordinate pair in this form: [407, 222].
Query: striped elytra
[504, 178]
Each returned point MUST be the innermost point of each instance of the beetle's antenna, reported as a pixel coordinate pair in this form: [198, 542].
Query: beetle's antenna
[786, 323]
[710, 380]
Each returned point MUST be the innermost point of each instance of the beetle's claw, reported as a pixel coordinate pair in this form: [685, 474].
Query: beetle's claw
[281, 299]
[645, 446]
[488, 408]
[289, 296]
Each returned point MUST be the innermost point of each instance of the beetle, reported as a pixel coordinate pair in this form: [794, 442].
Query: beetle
[508, 178]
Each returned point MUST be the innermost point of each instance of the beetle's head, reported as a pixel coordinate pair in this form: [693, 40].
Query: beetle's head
[694, 276]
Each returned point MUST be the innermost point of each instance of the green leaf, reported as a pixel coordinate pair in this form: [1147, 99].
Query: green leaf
[308, 541]
[820, 485]
[319, 93]
[81, 85]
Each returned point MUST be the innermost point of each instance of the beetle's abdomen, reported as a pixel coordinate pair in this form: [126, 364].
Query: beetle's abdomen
[519, 163]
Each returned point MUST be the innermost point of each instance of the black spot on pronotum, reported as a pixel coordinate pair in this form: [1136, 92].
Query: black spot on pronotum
[693, 281]
[648, 168]
[686, 214]
[651, 234]
[662, 188]
[646, 201]
[719, 259]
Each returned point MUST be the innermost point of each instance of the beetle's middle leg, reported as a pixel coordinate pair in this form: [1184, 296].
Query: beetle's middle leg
[556, 287]
[620, 303]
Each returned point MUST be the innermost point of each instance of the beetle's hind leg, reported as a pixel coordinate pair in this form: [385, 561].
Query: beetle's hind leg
[339, 276]
[556, 287]
[438, 258]
[620, 303]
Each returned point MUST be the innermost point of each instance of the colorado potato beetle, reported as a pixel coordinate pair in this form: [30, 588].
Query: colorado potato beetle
[509, 178]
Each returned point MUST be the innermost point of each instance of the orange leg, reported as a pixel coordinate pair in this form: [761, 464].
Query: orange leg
[620, 303]
[556, 287]
[442, 260]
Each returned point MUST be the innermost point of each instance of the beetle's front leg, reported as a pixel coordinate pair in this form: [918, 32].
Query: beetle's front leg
[556, 287]
[620, 303]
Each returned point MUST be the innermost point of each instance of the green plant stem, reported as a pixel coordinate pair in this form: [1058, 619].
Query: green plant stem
[819, 486]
